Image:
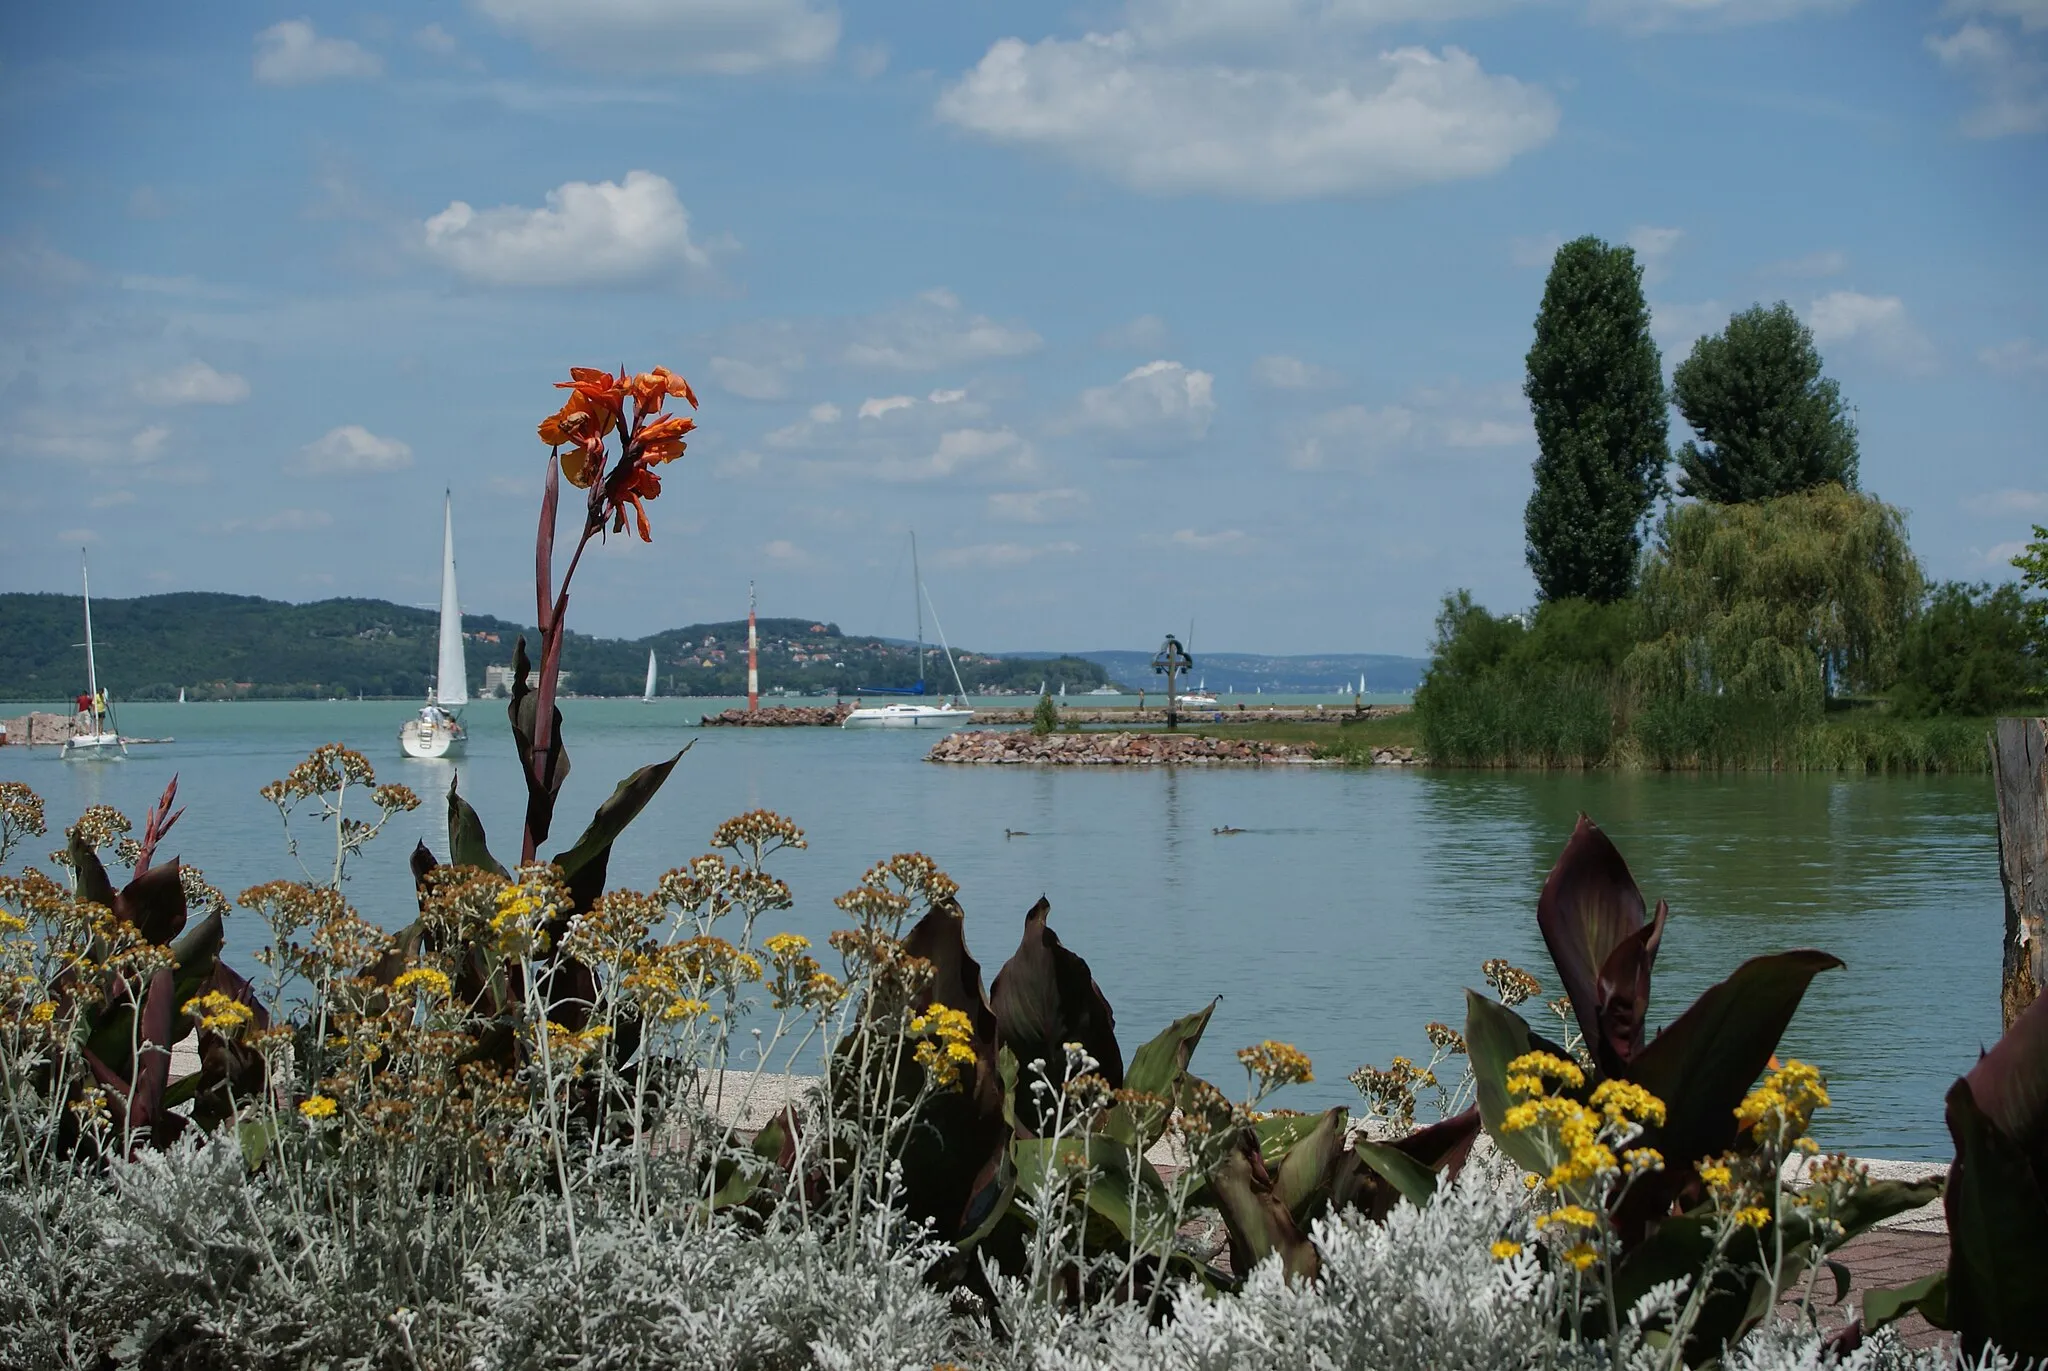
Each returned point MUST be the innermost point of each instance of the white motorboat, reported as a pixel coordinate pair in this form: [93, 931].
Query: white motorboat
[101, 742]
[906, 714]
[438, 731]
[1105, 690]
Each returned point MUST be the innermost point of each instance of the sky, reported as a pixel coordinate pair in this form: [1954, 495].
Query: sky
[1137, 314]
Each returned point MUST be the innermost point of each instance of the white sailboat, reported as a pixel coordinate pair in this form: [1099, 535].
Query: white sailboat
[1199, 697]
[437, 731]
[103, 742]
[648, 693]
[946, 714]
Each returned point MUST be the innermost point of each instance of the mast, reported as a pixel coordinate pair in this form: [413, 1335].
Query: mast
[753, 657]
[451, 670]
[917, 602]
[92, 671]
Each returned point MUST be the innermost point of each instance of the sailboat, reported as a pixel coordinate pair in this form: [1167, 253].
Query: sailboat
[437, 731]
[648, 693]
[948, 714]
[103, 743]
[1199, 697]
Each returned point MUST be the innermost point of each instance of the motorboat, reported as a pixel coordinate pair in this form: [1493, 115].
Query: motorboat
[437, 730]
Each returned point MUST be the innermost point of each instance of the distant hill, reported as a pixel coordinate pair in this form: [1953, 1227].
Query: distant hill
[245, 647]
[1244, 672]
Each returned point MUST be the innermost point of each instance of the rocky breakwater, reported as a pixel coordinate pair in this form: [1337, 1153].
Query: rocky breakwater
[1115, 749]
[780, 716]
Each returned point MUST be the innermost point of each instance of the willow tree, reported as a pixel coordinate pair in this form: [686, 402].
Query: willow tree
[1776, 599]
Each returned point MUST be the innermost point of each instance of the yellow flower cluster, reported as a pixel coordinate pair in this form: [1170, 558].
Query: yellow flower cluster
[435, 984]
[1274, 1064]
[949, 1046]
[1528, 1072]
[1585, 1137]
[1779, 1110]
[1625, 1102]
[518, 921]
[1570, 1215]
[220, 1012]
[782, 945]
[1506, 1248]
[318, 1106]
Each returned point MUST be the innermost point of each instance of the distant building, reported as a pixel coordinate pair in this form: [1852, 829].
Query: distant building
[498, 681]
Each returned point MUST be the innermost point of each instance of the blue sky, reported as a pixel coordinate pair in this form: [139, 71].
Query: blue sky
[1136, 313]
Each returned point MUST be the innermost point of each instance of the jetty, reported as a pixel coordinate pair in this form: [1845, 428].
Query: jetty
[1016, 748]
[779, 716]
[1236, 712]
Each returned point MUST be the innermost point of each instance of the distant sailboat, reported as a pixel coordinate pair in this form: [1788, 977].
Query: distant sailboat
[103, 743]
[181, 694]
[648, 693]
[438, 731]
[949, 714]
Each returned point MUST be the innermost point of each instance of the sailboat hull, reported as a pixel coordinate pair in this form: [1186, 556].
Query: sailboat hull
[427, 737]
[95, 747]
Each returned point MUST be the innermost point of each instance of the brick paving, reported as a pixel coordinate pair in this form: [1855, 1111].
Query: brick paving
[1880, 1258]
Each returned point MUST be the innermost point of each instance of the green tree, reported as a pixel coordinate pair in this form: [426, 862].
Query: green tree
[1046, 717]
[1767, 422]
[1776, 599]
[1970, 651]
[2032, 565]
[1596, 389]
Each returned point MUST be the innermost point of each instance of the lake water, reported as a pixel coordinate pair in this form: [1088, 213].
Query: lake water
[1351, 911]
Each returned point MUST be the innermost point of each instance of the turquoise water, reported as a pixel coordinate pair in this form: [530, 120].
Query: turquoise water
[1351, 911]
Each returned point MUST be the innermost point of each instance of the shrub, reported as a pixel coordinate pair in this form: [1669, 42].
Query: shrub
[1045, 718]
[1970, 651]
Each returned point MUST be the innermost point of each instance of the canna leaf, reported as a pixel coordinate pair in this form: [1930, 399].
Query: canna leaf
[1494, 1036]
[1927, 1297]
[1302, 1180]
[1997, 1235]
[1590, 904]
[1045, 997]
[153, 1055]
[524, 712]
[1258, 1223]
[154, 902]
[959, 1131]
[2010, 1085]
[1158, 1070]
[466, 843]
[583, 865]
[89, 876]
[1415, 1181]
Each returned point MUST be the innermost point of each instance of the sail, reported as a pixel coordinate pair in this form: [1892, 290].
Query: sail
[451, 673]
[648, 693]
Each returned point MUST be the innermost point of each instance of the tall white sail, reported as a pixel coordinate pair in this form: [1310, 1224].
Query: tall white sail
[648, 693]
[451, 672]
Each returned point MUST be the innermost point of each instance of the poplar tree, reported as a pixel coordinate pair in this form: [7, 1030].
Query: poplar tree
[1596, 390]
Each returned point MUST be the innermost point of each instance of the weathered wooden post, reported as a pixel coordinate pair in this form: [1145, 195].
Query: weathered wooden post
[2019, 770]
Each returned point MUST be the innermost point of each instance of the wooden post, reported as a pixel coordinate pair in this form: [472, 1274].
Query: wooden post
[2019, 770]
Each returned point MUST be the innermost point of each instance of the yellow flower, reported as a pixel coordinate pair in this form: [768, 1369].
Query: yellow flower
[683, 1009]
[1571, 1215]
[1581, 1256]
[42, 1013]
[1534, 1065]
[218, 1011]
[785, 944]
[1504, 1249]
[434, 983]
[1753, 1216]
[317, 1107]
[1626, 1102]
[1715, 1177]
[12, 923]
[1277, 1063]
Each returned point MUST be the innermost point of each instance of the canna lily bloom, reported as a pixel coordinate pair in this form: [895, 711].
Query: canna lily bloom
[651, 389]
[662, 440]
[576, 421]
[629, 485]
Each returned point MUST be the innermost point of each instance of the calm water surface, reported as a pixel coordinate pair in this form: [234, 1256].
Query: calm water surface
[1351, 911]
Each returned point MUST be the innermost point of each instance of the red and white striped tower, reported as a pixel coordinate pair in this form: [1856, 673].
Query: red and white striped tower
[753, 657]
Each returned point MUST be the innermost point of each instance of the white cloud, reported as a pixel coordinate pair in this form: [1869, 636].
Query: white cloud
[946, 397]
[1037, 506]
[1352, 436]
[1486, 433]
[1653, 15]
[435, 39]
[1875, 324]
[730, 37]
[825, 413]
[195, 383]
[293, 53]
[108, 499]
[148, 444]
[875, 409]
[1002, 556]
[353, 450]
[38, 266]
[1123, 106]
[1163, 401]
[994, 452]
[1219, 540]
[1539, 251]
[2031, 15]
[2005, 502]
[931, 331]
[1277, 371]
[2016, 357]
[2002, 554]
[782, 550]
[1654, 247]
[1829, 262]
[608, 233]
[768, 380]
[2009, 73]
[75, 537]
[280, 521]
[1146, 333]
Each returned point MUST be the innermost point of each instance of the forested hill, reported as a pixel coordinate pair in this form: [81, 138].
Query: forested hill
[245, 647]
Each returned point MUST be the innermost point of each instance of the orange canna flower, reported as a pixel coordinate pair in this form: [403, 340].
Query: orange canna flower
[575, 421]
[605, 391]
[580, 465]
[651, 389]
[629, 486]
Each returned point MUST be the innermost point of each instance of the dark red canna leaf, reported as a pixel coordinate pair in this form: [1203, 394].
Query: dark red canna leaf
[154, 902]
[1622, 996]
[158, 825]
[2010, 1085]
[1589, 906]
[1045, 997]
